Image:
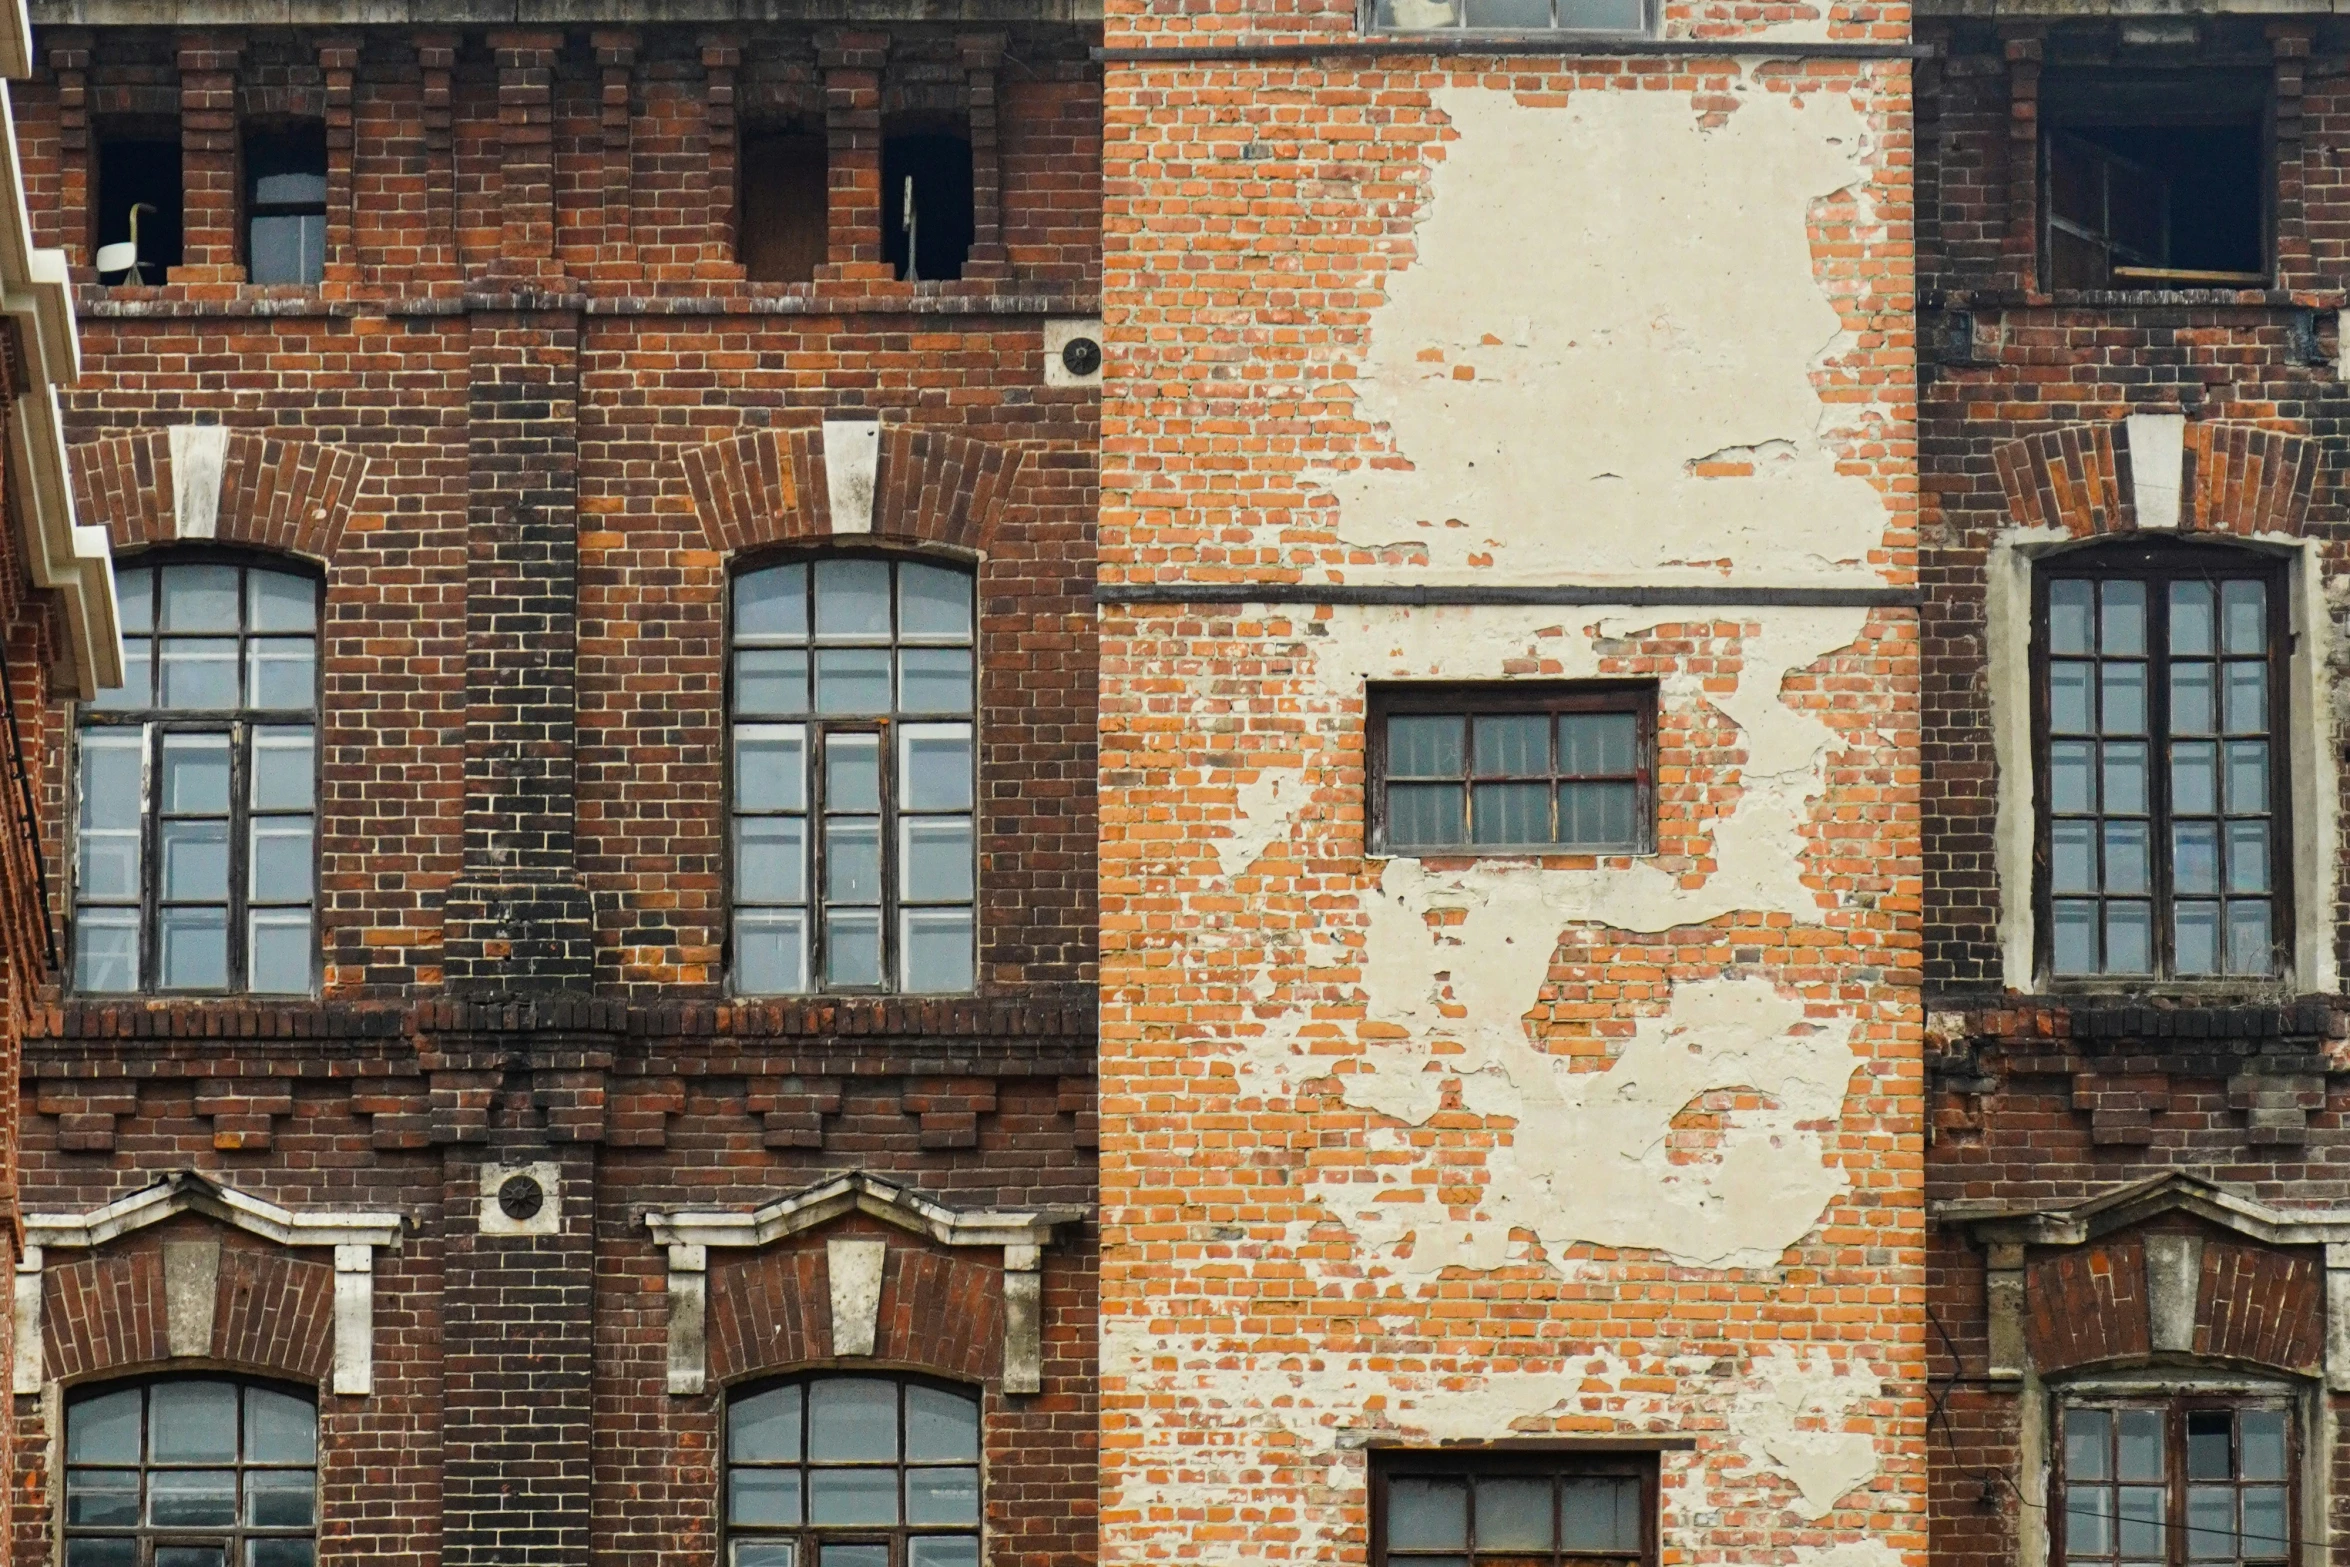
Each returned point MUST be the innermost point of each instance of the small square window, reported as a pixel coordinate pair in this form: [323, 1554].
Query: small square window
[1512, 769]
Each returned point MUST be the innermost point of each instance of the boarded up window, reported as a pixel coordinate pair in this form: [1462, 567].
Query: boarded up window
[783, 206]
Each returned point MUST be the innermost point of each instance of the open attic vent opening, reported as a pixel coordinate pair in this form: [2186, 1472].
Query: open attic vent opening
[926, 194]
[783, 236]
[2158, 183]
[139, 168]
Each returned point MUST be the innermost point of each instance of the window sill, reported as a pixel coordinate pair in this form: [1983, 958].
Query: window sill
[2137, 298]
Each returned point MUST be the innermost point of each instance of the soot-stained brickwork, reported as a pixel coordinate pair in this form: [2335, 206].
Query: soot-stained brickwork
[525, 427]
[2161, 1125]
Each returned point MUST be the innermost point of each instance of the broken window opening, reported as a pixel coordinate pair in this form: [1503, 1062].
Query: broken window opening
[136, 201]
[2141, 196]
[285, 202]
[926, 199]
[783, 223]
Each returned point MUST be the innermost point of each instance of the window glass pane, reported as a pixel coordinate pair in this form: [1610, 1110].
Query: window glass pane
[195, 861]
[1514, 1515]
[852, 947]
[852, 773]
[2072, 776]
[2210, 1445]
[934, 763]
[281, 1498]
[1598, 743]
[2072, 856]
[838, 1553]
[2140, 1445]
[275, 601]
[111, 771]
[935, 859]
[279, 1429]
[2068, 699]
[1510, 745]
[770, 680]
[853, 1420]
[2069, 610]
[2194, 857]
[195, 775]
[138, 674]
[852, 599]
[110, 858]
[134, 590]
[2248, 856]
[191, 1498]
[2211, 1522]
[941, 1425]
[2244, 617]
[937, 956]
[101, 1553]
[2124, 712]
[770, 859]
[2129, 938]
[194, 945]
[761, 1553]
[772, 604]
[199, 598]
[2262, 1435]
[2075, 938]
[2266, 1532]
[104, 1430]
[1600, 1515]
[102, 1498]
[933, 679]
[852, 680]
[942, 1496]
[192, 1422]
[852, 859]
[2247, 686]
[1599, 815]
[2138, 1522]
[1423, 816]
[2196, 935]
[199, 673]
[2194, 776]
[2248, 776]
[1510, 813]
[2251, 947]
[2191, 619]
[1517, 15]
[933, 601]
[764, 1428]
[1424, 747]
[279, 1553]
[771, 952]
[2126, 863]
[277, 251]
[279, 948]
[191, 1556]
[106, 951]
[2088, 1521]
[763, 1496]
[2192, 702]
[943, 1550]
[280, 859]
[285, 770]
[852, 1496]
[770, 768]
[2124, 628]
[1427, 1514]
[281, 672]
[2125, 777]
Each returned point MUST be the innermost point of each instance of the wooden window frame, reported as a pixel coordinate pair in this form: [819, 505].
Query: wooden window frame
[1556, 1463]
[1489, 698]
[2158, 563]
[251, 208]
[808, 1538]
[238, 725]
[2175, 1409]
[231, 1537]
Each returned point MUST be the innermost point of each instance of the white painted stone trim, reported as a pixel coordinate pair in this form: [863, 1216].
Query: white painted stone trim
[852, 464]
[1022, 1233]
[852, 1272]
[2158, 462]
[199, 455]
[353, 1233]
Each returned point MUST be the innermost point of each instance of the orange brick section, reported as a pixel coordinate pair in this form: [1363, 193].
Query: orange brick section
[1320, 1234]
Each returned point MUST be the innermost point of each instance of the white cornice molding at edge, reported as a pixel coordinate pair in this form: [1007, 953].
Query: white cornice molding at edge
[192, 1191]
[859, 1192]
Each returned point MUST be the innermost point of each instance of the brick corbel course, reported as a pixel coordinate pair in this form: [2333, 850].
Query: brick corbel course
[792, 1110]
[242, 1111]
[2121, 1108]
[86, 1112]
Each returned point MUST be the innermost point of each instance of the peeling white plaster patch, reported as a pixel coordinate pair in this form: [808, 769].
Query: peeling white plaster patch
[1603, 292]
[1791, 1417]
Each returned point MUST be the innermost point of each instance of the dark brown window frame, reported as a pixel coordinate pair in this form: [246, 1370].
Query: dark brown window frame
[2157, 562]
[1638, 698]
[2175, 1408]
[1515, 1462]
[808, 1539]
[238, 724]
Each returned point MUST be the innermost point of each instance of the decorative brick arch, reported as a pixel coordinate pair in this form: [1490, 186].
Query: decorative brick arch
[275, 494]
[2234, 478]
[939, 1313]
[108, 1314]
[930, 486]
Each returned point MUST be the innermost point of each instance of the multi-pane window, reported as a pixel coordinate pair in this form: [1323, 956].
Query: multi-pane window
[853, 1471]
[2162, 822]
[2176, 1483]
[1525, 1510]
[197, 787]
[852, 777]
[285, 202]
[191, 1472]
[1509, 16]
[1511, 768]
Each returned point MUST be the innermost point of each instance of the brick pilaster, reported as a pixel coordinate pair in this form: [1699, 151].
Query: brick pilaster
[616, 61]
[2289, 44]
[69, 62]
[338, 63]
[982, 54]
[851, 63]
[208, 158]
[436, 57]
[526, 149]
[722, 57]
[2023, 158]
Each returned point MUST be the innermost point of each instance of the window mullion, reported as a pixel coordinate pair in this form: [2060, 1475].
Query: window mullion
[150, 857]
[819, 922]
[2158, 741]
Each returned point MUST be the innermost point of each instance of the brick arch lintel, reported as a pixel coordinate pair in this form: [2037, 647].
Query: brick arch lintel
[208, 483]
[337, 1291]
[852, 1267]
[2177, 1267]
[2228, 477]
[929, 486]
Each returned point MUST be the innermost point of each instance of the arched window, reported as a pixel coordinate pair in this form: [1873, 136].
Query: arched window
[853, 1471]
[197, 787]
[854, 857]
[2164, 840]
[191, 1472]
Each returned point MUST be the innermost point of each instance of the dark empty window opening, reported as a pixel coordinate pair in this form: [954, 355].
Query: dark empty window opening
[285, 202]
[783, 221]
[137, 197]
[926, 204]
[2156, 181]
